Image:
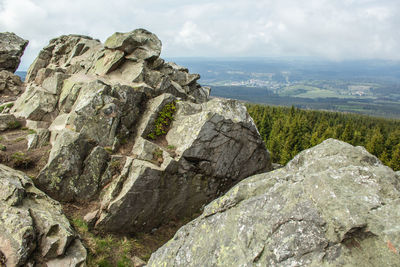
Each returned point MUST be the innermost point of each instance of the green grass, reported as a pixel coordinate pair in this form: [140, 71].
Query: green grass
[106, 250]
[21, 160]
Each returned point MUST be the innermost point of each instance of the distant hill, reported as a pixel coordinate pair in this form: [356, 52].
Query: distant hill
[364, 87]
[21, 74]
[368, 87]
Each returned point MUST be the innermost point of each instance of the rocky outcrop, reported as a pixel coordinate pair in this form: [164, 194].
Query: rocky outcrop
[102, 106]
[208, 148]
[10, 85]
[11, 50]
[332, 205]
[33, 229]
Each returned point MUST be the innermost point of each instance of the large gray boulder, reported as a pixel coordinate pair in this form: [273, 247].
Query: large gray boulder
[33, 228]
[208, 148]
[101, 103]
[11, 50]
[138, 44]
[332, 205]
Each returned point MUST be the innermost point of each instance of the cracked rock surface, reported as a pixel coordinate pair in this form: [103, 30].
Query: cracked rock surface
[332, 205]
[215, 145]
[99, 105]
[33, 228]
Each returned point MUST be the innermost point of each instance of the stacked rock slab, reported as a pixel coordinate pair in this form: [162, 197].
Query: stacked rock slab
[100, 103]
[33, 229]
[332, 205]
[11, 50]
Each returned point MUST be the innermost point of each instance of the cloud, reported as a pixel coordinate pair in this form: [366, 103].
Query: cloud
[343, 29]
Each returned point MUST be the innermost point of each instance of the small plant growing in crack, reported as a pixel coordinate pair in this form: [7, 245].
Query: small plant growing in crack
[163, 121]
[158, 156]
[171, 150]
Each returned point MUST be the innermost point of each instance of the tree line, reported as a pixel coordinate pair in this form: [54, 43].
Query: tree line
[287, 131]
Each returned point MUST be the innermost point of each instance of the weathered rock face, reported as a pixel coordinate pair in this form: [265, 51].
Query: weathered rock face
[100, 103]
[210, 147]
[11, 50]
[332, 205]
[33, 228]
[138, 44]
[10, 85]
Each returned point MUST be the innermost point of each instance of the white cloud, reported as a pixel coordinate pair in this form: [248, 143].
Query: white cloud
[343, 29]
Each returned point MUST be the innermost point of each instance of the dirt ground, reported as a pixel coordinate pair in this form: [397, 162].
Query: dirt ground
[14, 153]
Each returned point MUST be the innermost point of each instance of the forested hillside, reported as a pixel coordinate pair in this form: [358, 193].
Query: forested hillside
[287, 131]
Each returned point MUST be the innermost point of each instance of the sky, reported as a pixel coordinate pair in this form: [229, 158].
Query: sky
[326, 29]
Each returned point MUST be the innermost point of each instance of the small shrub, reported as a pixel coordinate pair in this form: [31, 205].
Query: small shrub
[2, 108]
[3, 147]
[163, 121]
[158, 156]
[151, 136]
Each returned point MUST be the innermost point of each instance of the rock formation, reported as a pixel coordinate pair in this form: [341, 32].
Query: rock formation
[33, 229]
[134, 131]
[332, 205]
[11, 50]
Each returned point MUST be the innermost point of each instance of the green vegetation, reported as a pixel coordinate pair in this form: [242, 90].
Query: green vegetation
[3, 147]
[9, 105]
[107, 250]
[163, 121]
[158, 156]
[108, 149]
[115, 166]
[104, 251]
[31, 131]
[21, 160]
[171, 147]
[288, 131]
[14, 125]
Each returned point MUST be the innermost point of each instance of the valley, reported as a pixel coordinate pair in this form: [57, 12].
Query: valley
[365, 87]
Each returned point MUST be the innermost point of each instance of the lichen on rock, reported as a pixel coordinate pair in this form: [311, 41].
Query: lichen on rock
[332, 205]
[33, 227]
[101, 102]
